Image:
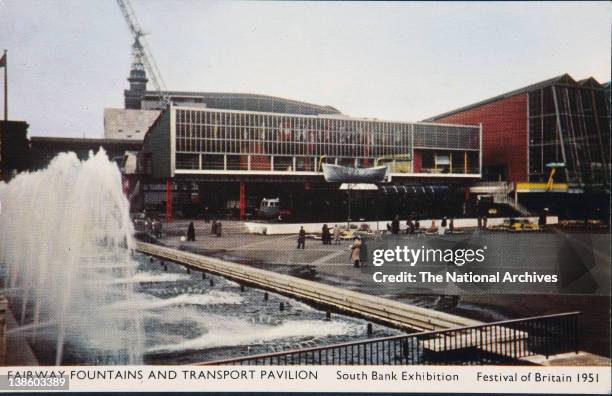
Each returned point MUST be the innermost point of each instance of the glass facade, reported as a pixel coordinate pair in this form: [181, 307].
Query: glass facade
[569, 125]
[209, 139]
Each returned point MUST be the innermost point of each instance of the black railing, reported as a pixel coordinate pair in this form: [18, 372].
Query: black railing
[499, 342]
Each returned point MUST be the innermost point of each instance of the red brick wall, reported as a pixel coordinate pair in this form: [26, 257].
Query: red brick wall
[504, 133]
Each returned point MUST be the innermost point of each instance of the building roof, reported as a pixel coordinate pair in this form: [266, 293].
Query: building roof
[563, 79]
[239, 94]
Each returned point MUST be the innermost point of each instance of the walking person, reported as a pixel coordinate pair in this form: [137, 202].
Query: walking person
[355, 252]
[301, 241]
[191, 232]
[336, 235]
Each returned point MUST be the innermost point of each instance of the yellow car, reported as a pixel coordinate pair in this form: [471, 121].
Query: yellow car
[522, 225]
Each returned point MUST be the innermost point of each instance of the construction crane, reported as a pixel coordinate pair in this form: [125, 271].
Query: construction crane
[141, 49]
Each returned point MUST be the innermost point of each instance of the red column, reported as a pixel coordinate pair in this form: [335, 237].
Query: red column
[168, 201]
[242, 201]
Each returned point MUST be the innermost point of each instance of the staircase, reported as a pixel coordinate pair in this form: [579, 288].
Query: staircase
[501, 192]
[502, 196]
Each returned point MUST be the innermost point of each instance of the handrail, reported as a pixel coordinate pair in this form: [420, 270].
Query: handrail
[387, 339]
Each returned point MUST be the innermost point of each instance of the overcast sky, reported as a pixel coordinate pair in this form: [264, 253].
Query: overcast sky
[69, 59]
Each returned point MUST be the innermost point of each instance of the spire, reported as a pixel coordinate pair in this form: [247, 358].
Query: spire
[137, 79]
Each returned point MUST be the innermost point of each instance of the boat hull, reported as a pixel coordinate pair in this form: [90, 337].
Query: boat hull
[344, 174]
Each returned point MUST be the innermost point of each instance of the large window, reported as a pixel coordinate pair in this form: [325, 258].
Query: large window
[297, 143]
[569, 124]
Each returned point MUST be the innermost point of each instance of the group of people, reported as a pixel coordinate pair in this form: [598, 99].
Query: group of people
[414, 226]
[445, 224]
[359, 249]
[152, 225]
[215, 229]
[326, 235]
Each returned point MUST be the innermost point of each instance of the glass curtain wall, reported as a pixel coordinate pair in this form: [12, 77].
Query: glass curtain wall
[212, 139]
[569, 124]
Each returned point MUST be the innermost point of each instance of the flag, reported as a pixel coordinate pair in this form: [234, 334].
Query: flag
[3, 61]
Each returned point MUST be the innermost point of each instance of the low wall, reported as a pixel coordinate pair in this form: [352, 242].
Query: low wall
[311, 228]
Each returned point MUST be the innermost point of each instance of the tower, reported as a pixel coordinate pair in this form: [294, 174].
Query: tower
[138, 78]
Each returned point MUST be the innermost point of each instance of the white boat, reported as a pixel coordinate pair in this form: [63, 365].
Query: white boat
[344, 174]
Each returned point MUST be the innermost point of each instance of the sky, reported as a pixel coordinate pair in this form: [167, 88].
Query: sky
[404, 61]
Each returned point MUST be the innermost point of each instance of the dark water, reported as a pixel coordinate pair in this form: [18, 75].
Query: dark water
[187, 320]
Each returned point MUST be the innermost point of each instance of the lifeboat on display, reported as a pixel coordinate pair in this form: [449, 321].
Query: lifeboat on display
[345, 174]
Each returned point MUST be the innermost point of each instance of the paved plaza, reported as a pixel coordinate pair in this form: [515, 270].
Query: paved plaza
[581, 261]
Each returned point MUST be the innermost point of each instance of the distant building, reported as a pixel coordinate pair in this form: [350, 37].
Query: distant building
[237, 101]
[126, 124]
[43, 149]
[555, 122]
[550, 141]
[245, 156]
[14, 156]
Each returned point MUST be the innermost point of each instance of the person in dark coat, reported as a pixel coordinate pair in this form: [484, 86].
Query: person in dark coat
[191, 232]
[301, 241]
[157, 228]
[395, 225]
[542, 220]
[325, 235]
[363, 253]
[219, 229]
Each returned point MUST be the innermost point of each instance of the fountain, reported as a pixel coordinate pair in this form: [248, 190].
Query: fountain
[83, 296]
[65, 247]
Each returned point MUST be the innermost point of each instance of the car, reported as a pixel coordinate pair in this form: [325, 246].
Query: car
[140, 221]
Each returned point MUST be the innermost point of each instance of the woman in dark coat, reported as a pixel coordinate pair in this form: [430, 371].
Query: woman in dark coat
[191, 232]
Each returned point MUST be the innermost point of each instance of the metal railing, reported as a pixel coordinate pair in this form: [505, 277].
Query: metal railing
[498, 342]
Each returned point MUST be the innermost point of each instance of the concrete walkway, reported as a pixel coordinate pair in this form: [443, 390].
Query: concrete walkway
[383, 310]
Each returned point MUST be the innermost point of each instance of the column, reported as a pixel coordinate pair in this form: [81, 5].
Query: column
[168, 201]
[242, 201]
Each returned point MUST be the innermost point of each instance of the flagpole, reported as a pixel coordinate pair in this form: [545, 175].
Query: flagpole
[5, 87]
[5, 110]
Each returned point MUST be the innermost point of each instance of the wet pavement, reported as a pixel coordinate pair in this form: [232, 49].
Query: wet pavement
[580, 260]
